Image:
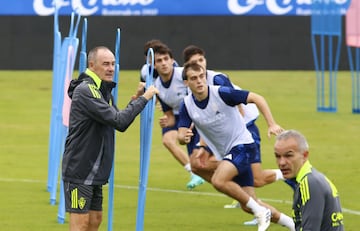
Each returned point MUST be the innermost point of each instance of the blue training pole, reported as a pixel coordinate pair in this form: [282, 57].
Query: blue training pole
[69, 45]
[82, 56]
[326, 25]
[115, 95]
[68, 57]
[355, 79]
[356, 107]
[54, 108]
[58, 126]
[146, 126]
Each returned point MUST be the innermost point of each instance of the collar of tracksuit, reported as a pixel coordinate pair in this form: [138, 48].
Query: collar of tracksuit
[304, 170]
[96, 78]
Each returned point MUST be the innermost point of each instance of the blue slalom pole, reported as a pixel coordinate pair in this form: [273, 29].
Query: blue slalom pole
[61, 209]
[356, 83]
[146, 126]
[336, 69]
[56, 60]
[68, 54]
[82, 56]
[355, 78]
[71, 44]
[326, 24]
[322, 44]
[115, 95]
[58, 127]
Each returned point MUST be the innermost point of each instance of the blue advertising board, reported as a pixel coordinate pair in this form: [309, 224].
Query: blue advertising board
[163, 7]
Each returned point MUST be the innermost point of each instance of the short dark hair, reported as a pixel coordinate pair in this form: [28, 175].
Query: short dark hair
[151, 44]
[191, 50]
[190, 66]
[163, 49]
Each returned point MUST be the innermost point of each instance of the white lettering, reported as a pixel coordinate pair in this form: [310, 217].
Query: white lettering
[341, 2]
[276, 9]
[301, 11]
[304, 2]
[272, 5]
[236, 8]
[150, 11]
[128, 12]
[82, 10]
[41, 9]
[126, 2]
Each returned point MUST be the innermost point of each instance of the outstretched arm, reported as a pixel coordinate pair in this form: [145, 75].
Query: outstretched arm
[91, 102]
[273, 127]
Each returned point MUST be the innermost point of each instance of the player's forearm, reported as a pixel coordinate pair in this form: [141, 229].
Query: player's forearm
[265, 110]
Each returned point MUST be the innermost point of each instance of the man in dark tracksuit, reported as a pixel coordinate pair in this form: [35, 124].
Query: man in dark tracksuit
[316, 202]
[89, 147]
[316, 205]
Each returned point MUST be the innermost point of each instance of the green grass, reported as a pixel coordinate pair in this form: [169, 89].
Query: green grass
[25, 108]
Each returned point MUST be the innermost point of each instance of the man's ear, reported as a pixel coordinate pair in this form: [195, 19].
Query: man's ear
[91, 63]
[306, 154]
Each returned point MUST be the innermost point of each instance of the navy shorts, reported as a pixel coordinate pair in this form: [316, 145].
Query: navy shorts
[239, 157]
[255, 157]
[80, 198]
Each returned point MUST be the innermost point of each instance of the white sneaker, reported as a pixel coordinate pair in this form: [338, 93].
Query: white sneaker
[253, 222]
[235, 204]
[263, 218]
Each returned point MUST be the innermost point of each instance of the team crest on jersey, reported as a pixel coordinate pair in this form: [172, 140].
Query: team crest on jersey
[82, 202]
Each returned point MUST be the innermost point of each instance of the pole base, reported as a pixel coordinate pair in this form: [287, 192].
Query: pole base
[52, 201]
[327, 109]
[61, 220]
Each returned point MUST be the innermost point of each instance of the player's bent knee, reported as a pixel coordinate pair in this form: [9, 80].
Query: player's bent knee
[167, 142]
[218, 184]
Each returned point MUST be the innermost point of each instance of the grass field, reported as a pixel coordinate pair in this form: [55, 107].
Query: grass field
[25, 104]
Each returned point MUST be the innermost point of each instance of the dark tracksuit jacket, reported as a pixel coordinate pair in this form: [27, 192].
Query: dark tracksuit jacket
[89, 146]
[316, 205]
